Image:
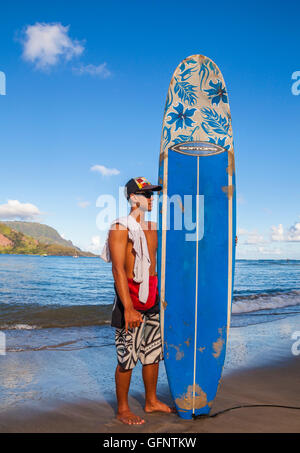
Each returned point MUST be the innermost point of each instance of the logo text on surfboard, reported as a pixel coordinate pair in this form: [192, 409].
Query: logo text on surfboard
[198, 148]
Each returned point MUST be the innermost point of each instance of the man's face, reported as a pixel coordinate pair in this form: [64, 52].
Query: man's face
[144, 200]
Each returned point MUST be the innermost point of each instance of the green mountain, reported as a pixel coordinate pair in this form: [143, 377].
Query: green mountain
[32, 238]
[41, 232]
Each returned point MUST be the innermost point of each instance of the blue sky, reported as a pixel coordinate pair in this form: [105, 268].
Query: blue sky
[94, 96]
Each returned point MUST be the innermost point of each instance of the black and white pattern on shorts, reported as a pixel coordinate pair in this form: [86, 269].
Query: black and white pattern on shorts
[140, 343]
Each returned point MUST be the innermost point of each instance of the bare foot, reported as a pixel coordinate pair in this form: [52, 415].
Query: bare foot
[158, 406]
[129, 418]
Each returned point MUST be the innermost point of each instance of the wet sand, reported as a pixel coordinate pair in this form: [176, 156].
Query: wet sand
[69, 391]
[277, 384]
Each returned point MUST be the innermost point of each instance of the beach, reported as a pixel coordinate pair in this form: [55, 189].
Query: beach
[57, 375]
[62, 391]
[267, 385]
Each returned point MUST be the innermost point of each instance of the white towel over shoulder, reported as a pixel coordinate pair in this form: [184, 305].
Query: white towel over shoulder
[142, 259]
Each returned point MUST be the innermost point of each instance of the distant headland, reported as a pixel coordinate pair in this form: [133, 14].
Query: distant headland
[32, 238]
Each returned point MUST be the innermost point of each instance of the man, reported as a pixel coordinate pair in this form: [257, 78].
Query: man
[132, 247]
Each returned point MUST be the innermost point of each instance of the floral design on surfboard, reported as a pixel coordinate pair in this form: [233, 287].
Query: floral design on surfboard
[197, 105]
[182, 117]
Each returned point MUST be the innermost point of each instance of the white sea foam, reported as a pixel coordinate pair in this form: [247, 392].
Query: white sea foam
[265, 301]
[18, 327]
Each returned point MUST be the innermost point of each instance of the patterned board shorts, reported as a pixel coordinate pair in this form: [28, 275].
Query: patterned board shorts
[140, 343]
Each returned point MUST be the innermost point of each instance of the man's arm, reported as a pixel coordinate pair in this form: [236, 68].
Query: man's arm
[117, 242]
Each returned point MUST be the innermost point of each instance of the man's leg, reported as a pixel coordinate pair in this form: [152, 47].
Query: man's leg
[124, 414]
[152, 403]
[127, 358]
[150, 355]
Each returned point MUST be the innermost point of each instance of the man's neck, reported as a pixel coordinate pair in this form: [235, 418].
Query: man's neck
[138, 215]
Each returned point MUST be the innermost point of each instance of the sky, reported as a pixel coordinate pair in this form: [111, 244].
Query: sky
[86, 84]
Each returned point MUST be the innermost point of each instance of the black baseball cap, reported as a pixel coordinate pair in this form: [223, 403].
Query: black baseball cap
[139, 184]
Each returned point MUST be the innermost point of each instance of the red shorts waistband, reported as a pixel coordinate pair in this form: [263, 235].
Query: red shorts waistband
[134, 288]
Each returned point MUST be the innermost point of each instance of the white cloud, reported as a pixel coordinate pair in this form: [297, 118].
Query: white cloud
[269, 251]
[99, 71]
[291, 235]
[104, 170]
[251, 237]
[277, 233]
[254, 238]
[44, 44]
[96, 244]
[260, 251]
[14, 209]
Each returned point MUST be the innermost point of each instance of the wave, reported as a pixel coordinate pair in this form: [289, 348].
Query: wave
[36, 316]
[265, 301]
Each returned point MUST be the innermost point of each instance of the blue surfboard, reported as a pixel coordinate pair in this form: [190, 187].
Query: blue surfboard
[196, 253]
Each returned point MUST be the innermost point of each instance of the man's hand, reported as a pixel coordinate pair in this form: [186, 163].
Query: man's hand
[236, 239]
[133, 318]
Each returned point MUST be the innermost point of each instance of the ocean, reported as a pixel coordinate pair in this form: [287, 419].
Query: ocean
[39, 292]
[55, 317]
